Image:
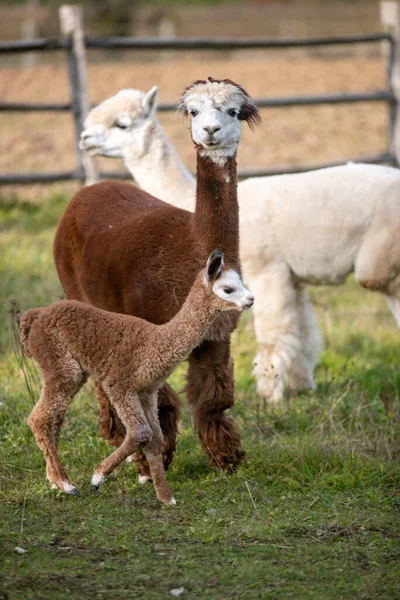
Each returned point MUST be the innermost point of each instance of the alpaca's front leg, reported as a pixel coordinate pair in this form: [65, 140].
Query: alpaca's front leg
[112, 429]
[110, 425]
[277, 328]
[153, 450]
[138, 431]
[210, 391]
[301, 374]
[169, 412]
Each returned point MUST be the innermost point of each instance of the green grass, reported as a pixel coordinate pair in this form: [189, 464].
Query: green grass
[312, 513]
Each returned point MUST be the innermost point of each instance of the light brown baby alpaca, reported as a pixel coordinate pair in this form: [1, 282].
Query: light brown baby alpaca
[130, 357]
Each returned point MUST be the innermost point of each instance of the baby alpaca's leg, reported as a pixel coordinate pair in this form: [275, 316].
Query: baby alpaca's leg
[169, 406]
[137, 434]
[154, 449]
[46, 419]
[110, 426]
[301, 374]
[276, 322]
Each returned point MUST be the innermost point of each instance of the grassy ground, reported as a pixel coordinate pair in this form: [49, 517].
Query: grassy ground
[312, 513]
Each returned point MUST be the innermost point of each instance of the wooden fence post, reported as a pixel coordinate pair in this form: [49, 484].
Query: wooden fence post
[390, 18]
[71, 25]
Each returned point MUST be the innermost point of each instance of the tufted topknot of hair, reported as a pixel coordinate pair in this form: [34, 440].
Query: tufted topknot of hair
[224, 94]
[125, 102]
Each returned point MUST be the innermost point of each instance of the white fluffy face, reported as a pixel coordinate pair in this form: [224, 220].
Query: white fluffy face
[116, 127]
[229, 287]
[214, 108]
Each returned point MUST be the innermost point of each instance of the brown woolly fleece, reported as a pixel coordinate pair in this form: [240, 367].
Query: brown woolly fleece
[129, 357]
[117, 247]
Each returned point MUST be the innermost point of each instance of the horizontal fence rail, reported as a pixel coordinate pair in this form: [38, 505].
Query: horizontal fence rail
[130, 43]
[34, 107]
[41, 45]
[26, 178]
[378, 96]
[150, 43]
[226, 43]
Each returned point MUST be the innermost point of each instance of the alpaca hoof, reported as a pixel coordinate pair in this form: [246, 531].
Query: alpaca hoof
[229, 464]
[142, 479]
[68, 488]
[97, 480]
[270, 391]
[170, 502]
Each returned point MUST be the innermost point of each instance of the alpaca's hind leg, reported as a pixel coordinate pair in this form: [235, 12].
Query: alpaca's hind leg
[394, 306]
[153, 450]
[138, 432]
[45, 422]
[210, 391]
[301, 373]
[377, 266]
[277, 328]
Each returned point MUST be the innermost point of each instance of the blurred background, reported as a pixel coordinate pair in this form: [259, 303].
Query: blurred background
[290, 136]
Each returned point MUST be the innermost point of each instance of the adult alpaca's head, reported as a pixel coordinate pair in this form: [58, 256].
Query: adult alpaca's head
[217, 109]
[119, 126]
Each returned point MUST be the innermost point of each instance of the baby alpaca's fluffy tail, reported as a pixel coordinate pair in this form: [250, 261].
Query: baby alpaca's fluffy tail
[25, 323]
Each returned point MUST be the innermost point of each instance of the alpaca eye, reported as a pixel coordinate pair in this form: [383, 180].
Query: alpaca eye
[228, 290]
[232, 112]
[193, 112]
[121, 125]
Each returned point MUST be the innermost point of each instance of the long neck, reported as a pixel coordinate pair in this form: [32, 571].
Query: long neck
[216, 217]
[158, 170]
[177, 338]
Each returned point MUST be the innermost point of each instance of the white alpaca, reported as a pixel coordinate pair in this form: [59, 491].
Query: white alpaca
[310, 228]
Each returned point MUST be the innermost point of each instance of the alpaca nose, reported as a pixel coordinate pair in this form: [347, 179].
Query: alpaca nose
[91, 131]
[250, 301]
[87, 133]
[212, 129]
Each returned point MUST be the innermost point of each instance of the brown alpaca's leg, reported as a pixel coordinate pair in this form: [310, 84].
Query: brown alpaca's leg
[210, 391]
[153, 450]
[45, 422]
[138, 431]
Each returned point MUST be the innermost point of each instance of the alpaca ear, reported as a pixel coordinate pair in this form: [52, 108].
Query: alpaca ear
[150, 101]
[214, 265]
[250, 114]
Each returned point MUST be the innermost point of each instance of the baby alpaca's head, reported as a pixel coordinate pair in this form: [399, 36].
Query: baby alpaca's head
[225, 284]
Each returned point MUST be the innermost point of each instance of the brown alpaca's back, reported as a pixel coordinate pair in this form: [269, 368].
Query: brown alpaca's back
[117, 247]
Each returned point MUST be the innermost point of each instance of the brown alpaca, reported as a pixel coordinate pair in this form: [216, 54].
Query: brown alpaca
[129, 357]
[116, 247]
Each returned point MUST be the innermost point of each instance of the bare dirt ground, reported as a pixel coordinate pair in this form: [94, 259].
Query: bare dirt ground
[45, 141]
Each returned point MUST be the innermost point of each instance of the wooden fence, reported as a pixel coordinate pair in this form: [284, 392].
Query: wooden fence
[73, 42]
